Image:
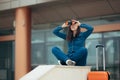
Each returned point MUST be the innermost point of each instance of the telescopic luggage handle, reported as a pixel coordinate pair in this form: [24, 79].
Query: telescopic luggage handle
[97, 46]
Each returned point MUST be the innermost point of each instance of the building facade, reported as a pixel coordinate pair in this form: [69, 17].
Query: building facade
[26, 36]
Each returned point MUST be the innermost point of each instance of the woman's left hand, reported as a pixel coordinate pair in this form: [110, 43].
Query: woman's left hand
[78, 23]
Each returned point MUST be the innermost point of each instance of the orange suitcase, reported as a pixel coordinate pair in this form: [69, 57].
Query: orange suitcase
[99, 75]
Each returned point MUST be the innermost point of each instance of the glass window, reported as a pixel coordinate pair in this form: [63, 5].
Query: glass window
[38, 53]
[38, 36]
[6, 60]
[94, 36]
[112, 34]
[6, 32]
[100, 20]
[91, 43]
[50, 37]
[110, 49]
[42, 43]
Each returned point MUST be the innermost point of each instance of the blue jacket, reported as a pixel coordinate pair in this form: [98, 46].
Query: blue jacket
[77, 42]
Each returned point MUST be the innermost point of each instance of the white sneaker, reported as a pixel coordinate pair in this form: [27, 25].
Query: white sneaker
[59, 62]
[70, 62]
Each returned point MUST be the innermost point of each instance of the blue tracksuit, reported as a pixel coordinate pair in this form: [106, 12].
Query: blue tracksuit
[76, 50]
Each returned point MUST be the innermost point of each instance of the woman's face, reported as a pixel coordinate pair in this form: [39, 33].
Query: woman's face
[73, 27]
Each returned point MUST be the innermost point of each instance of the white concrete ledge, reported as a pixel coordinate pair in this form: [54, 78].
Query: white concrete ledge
[58, 72]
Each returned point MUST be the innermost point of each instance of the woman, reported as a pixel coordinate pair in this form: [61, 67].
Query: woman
[77, 53]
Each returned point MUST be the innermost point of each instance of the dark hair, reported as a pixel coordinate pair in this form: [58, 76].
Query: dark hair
[70, 36]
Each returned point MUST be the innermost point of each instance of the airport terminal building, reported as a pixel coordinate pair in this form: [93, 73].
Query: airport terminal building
[26, 36]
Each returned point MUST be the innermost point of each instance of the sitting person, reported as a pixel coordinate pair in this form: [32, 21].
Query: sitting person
[77, 53]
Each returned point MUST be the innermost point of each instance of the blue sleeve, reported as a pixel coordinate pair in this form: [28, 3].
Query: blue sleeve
[88, 28]
[57, 32]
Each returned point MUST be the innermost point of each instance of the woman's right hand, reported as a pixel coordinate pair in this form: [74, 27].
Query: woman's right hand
[64, 25]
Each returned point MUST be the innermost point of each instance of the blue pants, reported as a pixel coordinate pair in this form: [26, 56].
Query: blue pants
[79, 56]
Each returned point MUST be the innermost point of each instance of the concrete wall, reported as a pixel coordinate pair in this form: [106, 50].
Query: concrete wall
[10, 4]
[58, 72]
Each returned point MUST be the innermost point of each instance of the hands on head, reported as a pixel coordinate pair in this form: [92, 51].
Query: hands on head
[71, 22]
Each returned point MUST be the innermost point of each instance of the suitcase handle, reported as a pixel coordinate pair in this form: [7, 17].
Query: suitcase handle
[97, 46]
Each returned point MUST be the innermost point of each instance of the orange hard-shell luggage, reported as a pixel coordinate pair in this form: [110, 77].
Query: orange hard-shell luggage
[99, 75]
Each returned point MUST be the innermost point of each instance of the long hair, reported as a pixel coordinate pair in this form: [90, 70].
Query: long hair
[70, 36]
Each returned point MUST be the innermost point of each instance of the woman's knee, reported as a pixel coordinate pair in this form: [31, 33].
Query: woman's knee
[84, 50]
[54, 49]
